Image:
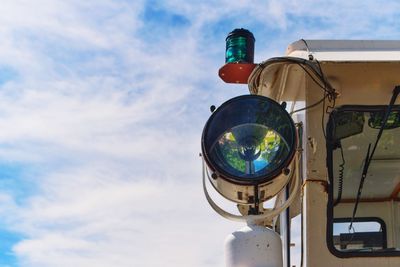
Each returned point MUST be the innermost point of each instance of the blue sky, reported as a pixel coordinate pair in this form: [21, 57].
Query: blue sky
[102, 105]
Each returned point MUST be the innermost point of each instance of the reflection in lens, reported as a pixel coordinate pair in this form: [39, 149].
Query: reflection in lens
[249, 149]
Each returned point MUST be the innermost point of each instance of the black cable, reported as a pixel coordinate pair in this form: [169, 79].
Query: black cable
[328, 93]
[301, 232]
[287, 218]
[302, 62]
[321, 73]
[323, 116]
[333, 105]
[331, 97]
[301, 192]
[309, 106]
[312, 77]
[305, 42]
[351, 238]
[341, 175]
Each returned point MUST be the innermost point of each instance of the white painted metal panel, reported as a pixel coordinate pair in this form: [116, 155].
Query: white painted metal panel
[346, 50]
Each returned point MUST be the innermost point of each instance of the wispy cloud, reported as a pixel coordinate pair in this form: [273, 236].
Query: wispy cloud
[104, 119]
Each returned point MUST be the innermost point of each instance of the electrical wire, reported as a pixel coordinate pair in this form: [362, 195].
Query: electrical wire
[341, 176]
[329, 96]
[309, 106]
[312, 68]
[300, 136]
[312, 77]
[309, 67]
[323, 116]
[301, 230]
[308, 48]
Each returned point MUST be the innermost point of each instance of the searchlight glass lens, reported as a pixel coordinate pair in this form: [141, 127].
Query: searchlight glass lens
[256, 151]
[249, 138]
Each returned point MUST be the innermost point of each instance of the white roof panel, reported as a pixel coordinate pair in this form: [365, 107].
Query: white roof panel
[346, 50]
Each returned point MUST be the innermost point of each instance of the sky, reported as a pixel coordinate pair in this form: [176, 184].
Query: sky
[102, 105]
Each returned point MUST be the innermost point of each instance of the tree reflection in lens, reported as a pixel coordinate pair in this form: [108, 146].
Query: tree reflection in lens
[249, 149]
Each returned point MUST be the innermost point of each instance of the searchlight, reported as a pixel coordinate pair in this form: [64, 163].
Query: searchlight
[248, 145]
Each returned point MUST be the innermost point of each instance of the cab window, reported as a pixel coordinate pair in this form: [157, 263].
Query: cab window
[351, 135]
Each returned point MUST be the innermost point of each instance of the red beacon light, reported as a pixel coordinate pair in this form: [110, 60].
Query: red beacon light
[239, 57]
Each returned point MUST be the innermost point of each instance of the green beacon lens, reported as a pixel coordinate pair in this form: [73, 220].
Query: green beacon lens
[239, 47]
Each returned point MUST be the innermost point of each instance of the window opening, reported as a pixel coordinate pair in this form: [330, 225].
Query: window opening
[351, 131]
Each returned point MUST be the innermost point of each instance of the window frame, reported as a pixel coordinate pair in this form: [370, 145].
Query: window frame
[330, 145]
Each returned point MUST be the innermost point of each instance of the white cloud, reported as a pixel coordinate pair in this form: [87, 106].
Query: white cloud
[112, 133]
[103, 222]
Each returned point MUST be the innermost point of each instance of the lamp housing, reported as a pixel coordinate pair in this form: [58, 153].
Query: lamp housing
[248, 145]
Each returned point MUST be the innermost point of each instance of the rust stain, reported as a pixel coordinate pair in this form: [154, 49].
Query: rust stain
[324, 183]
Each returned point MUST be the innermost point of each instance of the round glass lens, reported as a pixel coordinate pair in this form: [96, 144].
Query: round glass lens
[249, 137]
[250, 148]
